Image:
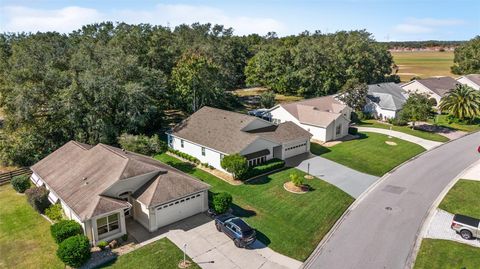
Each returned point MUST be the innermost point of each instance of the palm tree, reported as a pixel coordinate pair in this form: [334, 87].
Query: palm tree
[463, 102]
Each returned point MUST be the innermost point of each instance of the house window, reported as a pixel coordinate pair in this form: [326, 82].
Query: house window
[339, 129]
[107, 224]
[181, 143]
[203, 151]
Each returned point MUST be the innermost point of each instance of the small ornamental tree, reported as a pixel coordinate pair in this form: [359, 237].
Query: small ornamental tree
[65, 229]
[235, 164]
[37, 197]
[74, 251]
[267, 99]
[296, 180]
[21, 183]
[221, 202]
[416, 108]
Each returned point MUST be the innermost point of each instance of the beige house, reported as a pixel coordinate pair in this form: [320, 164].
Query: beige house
[100, 186]
[434, 87]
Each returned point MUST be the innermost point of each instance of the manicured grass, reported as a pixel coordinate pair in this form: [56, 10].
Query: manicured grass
[442, 120]
[446, 254]
[423, 64]
[463, 198]
[405, 129]
[292, 224]
[159, 254]
[25, 240]
[369, 154]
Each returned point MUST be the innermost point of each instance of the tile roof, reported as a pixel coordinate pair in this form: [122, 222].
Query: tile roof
[387, 95]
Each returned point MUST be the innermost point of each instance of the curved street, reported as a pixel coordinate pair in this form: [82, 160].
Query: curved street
[381, 230]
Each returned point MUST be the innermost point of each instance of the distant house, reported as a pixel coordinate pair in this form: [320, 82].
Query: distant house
[324, 117]
[210, 134]
[435, 87]
[472, 80]
[385, 100]
[100, 186]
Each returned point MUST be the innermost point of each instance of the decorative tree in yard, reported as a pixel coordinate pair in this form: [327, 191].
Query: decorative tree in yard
[462, 102]
[354, 94]
[235, 164]
[416, 108]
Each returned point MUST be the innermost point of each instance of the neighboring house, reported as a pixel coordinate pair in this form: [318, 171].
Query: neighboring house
[472, 80]
[435, 87]
[325, 118]
[99, 186]
[210, 134]
[385, 100]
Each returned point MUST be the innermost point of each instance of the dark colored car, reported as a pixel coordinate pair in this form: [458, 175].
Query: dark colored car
[235, 228]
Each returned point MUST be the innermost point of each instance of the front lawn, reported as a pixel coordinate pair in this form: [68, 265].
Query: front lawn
[463, 198]
[25, 240]
[442, 120]
[405, 129]
[435, 253]
[159, 254]
[292, 224]
[369, 154]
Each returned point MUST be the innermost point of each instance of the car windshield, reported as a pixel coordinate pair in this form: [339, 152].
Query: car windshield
[248, 233]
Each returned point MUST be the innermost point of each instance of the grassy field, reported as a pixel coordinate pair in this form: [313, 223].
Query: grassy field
[463, 198]
[246, 97]
[405, 129]
[25, 240]
[423, 64]
[292, 224]
[442, 120]
[369, 154]
[445, 254]
[160, 254]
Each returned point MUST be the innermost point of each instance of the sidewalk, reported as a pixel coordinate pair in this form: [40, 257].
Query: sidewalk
[427, 144]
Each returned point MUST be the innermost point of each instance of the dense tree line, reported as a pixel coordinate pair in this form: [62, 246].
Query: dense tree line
[467, 58]
[422, 44]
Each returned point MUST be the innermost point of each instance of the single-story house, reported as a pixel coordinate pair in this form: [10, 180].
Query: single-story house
[325, 118]
[385, 100]
[210, 134]
[99, 186]
[472, 80]
[434, 87]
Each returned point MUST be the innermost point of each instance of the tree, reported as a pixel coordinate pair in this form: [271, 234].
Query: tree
[354, 94]
[296, 179]
[467, 58]
[74, 251]
[235, 164]
[221, 202]
[463, 102]
[416, 108]
[267, 99]
[142, 144]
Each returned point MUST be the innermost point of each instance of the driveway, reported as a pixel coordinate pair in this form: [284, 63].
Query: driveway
[427, 144]
[211, 249]
[345, 178]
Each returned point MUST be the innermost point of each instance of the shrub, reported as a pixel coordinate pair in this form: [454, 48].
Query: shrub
[184, 156]
[64, 229]
[125, 237]
[74, 251]
[397, 121]
[270, 165]
[54, 212]
[352, 130]
[142, 144]
[267, 99]
[235, 164]
[221, 202]
[102, 244]
[296, 179]
[20, 183]
[37, 197]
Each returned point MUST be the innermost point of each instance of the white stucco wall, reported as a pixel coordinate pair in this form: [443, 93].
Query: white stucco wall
[466, 81]
[416, 86]
[375, 110]
[211, 157]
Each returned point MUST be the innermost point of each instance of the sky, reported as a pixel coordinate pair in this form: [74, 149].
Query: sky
[387, 20]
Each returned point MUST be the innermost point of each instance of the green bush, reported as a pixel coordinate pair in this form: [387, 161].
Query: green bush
[37, 197]
[270, 165]
[20, 183]
[184, 156]
[102, 244]
[235, 164]
[74, 251]
[142, 144]
[54, 212]
[397, 121]
[296, 179]
[352, 130]
[221, 202]
[64, 229]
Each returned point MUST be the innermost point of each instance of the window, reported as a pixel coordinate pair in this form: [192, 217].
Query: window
[181, 143]
[339, 129]
[203, 151]
[107, 224]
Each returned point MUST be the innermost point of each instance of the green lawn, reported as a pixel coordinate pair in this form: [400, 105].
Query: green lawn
[423, 64]
[159, 254]
[463, 198]
[25, 240]
[446, 254]
[292, 224]
[369, 154]
[442, 120]
[405, 129]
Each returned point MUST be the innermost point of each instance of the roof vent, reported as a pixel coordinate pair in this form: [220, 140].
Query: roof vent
[84, 178]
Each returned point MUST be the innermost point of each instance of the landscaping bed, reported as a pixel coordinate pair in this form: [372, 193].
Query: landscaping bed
[405, 129]
[463, 198]
[435, 253]
[442, 120]
[370, 153]
[288, 223]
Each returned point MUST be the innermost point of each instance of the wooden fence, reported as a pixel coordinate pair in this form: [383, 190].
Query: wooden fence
[7, 176]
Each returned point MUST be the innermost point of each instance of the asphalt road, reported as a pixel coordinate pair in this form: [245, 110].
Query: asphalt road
[380, 231]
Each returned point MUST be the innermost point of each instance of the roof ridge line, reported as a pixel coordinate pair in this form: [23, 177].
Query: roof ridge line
[107, 147]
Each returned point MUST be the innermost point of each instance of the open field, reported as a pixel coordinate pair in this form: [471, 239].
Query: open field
[423, 64]
[463, 199]
[291, 224]
[446, 254]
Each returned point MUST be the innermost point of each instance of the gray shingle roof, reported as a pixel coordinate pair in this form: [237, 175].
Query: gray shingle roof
[387, 95]
[440, 85]
[282, 133]
[475, 78]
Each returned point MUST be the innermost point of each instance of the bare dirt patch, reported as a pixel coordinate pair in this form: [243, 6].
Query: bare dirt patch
[391, 143]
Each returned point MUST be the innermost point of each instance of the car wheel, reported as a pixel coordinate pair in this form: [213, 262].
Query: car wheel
[237, 243]
[465, 234]
[218, 227]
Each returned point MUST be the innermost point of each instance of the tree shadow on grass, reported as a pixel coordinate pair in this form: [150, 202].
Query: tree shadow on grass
[242, 212]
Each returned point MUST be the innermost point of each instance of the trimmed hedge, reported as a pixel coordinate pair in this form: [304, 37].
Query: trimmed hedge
[352, 130]
[64, 229]
[184, 155]
[270, 165]
[20, 183]
[221, 202]
[54, 212]
[37, 197]
[74, 251]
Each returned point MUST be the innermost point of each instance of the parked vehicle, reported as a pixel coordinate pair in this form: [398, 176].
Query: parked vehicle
[235, 228]
[467, 227]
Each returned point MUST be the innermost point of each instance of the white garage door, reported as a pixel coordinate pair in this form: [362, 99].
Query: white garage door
[179, 209]
[294, 149]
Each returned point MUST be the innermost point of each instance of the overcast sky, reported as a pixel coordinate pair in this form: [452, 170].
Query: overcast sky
[385, 19]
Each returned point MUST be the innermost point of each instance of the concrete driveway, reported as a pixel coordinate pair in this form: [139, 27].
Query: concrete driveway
[212, 249]
[345, 178]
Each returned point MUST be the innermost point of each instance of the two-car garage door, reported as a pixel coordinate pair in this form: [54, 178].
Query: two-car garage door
[293, 149]
[179, 209]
